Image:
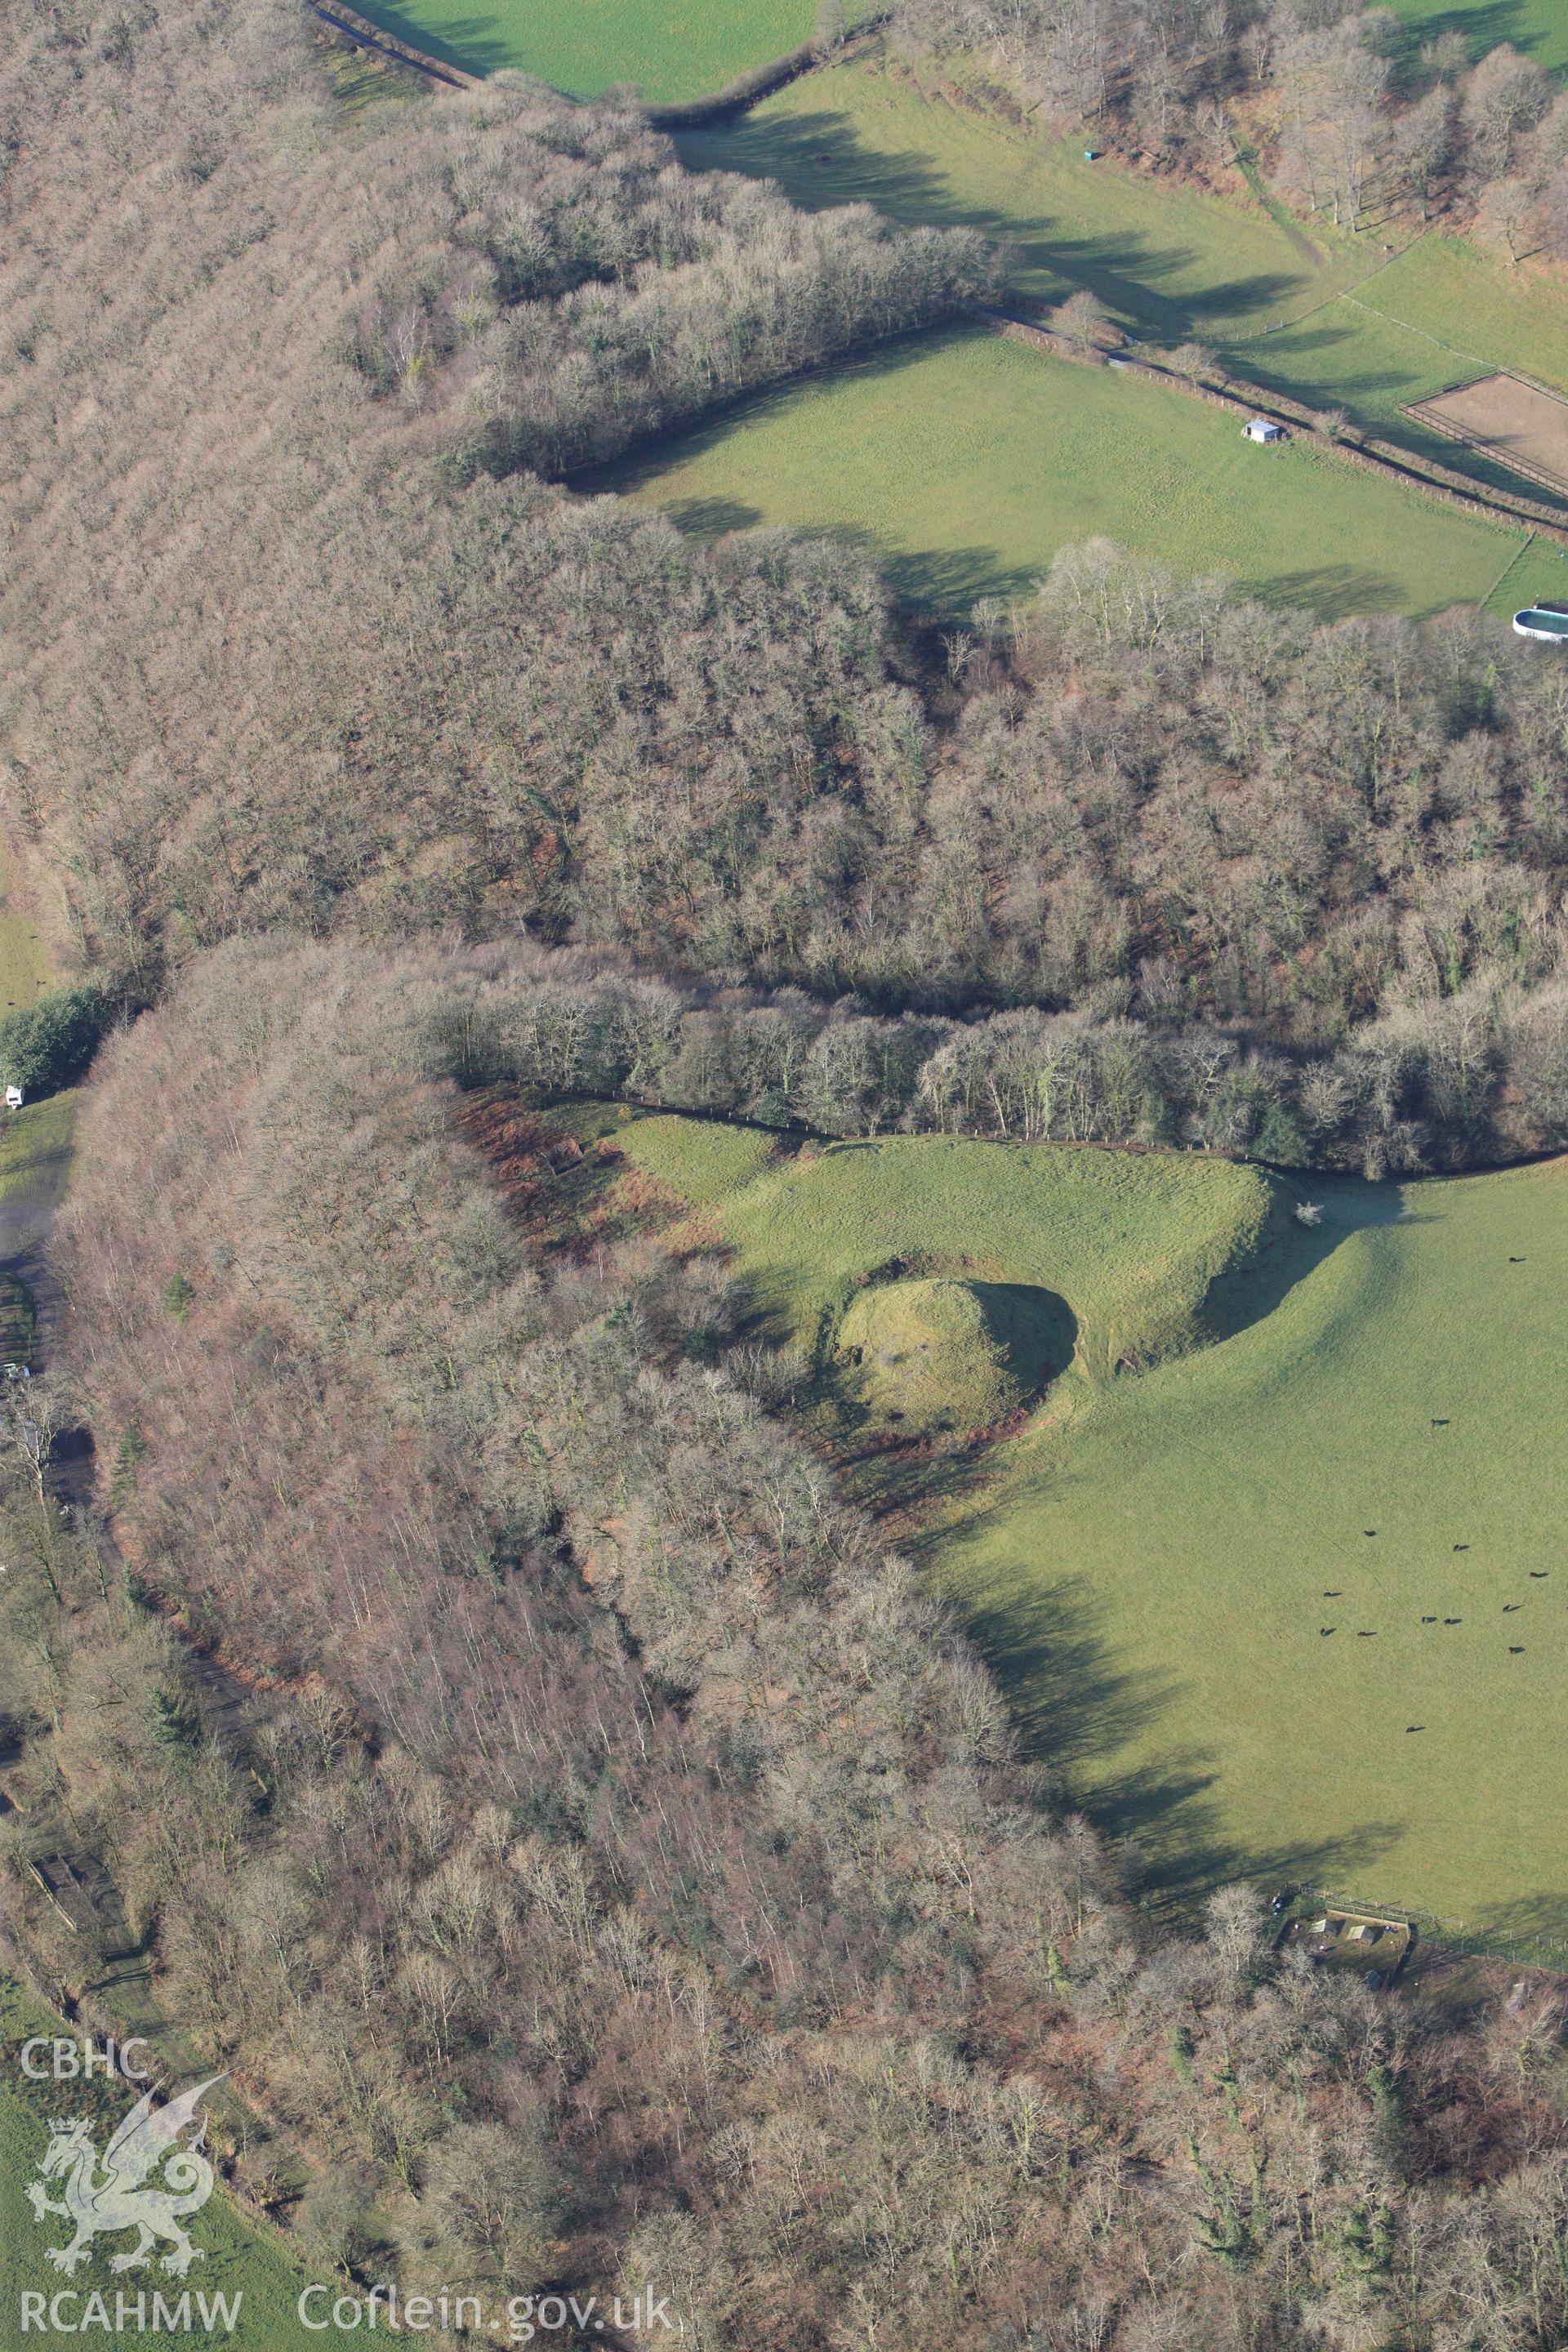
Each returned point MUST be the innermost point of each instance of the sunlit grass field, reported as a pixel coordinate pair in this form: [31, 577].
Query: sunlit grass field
[35, 1147]
[25, 971]
[677, 49]
[1539, 27]
[1165, 1575]
[1168, 261]
[1132, 1242]
[965, 462]
[1150, 1561]
[1335, 320]
[684, 49]
[241, 2259]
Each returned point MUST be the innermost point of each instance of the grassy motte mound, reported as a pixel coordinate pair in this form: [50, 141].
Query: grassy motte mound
[939, 1353]
[1132, 1242]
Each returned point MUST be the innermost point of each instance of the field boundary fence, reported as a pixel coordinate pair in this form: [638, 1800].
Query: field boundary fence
[362, 34]
[1401, 467]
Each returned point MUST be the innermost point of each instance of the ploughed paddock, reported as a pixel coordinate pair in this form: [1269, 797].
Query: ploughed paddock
[1519, 423]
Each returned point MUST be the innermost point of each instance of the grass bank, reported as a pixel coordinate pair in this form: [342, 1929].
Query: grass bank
[1150, 1560]
[1131, 1242]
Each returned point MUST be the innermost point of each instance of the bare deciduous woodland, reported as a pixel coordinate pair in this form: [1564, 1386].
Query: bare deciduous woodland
[1358, 111]
[290, 638]
[646, 1881]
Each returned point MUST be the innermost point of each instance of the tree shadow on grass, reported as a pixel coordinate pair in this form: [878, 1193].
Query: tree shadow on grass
[478, 44]
[1364, 396]
[1483, 26]
[1290, 1250]
[1334, 591]
[712, 518]
[1081, 1710]
[943, 581]
[940, 580]
[950, 580]
[819, 160]
[1534, 1920]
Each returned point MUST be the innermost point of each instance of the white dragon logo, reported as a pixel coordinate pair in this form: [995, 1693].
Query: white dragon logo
[114, 2198]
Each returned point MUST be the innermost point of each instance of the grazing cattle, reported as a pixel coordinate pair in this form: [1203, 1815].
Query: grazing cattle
[1461, 1547]
[1364, 1636]
[1452, 1621]
[1516, 1261]
[1369, 1531]
[1328, 1629]
[1510, 1606]
[1515, 1649]
[1428, 1621]
[1336, 1594]
[1537, 1573]
[1415, 1727]
[1440, 1425]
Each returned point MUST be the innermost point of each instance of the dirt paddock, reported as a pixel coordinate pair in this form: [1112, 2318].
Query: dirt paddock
[1523, 428]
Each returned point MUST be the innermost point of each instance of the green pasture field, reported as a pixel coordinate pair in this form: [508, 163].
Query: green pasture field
[1168, 262]
[1331, 320]
[1439, 314]
[18, 1323]
[25, 968]
[1132, 1241]
[35, 1147]
[241, 2257]
[679, 50]
[1539, 27]
[1148, 1561]
[700, 1160]
[1540, 570]
[1155, 1592]
[965, 462]
[1473, 312]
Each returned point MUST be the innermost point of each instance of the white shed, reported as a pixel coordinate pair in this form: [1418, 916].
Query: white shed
[13, 1097]
[1263, 428]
